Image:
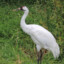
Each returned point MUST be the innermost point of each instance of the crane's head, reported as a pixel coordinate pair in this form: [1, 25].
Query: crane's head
[23, 8]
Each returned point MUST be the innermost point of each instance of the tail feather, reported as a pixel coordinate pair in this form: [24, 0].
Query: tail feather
[56, 51]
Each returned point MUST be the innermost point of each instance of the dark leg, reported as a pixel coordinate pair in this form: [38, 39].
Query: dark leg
[39, 56]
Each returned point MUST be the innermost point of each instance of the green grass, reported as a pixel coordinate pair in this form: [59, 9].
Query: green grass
[16, 47]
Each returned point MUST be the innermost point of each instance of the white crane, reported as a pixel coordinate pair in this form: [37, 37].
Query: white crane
[41, 37]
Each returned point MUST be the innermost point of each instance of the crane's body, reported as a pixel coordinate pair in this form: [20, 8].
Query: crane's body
[41, 37]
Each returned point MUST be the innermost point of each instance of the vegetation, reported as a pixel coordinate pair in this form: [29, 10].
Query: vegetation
[16, 47]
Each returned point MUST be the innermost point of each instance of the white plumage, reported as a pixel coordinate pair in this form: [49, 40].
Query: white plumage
[41, 37]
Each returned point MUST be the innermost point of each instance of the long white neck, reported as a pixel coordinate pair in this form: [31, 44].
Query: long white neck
[23, 25]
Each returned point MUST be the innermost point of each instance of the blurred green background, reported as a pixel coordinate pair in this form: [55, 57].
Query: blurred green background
[16, 47]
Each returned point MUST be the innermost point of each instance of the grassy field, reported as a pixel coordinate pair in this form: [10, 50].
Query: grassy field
[16, 47]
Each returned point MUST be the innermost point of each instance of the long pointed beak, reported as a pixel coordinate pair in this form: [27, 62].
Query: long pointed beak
[16, 9]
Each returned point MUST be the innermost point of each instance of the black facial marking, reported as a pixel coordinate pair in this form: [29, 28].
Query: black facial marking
[21, 8]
